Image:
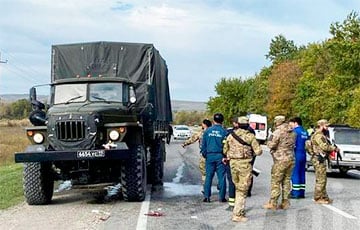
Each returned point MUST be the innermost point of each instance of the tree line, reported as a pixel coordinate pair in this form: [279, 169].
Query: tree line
[16, 110]
[314, 81]
[21, 109]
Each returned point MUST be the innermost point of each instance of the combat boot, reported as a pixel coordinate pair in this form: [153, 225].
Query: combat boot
[328, 200]
[321, 201]
[285, 204]
[239, 218]
[269, 205]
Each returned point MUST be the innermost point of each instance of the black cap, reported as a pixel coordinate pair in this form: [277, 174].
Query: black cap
[207, 122]
[218, 118]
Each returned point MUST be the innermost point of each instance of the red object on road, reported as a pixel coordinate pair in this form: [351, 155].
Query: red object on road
[154, 213]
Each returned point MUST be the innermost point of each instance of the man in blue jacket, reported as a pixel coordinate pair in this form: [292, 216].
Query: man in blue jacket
[212, 150]
[298, 174]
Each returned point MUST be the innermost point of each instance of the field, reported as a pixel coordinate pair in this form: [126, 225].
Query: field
[12, 139]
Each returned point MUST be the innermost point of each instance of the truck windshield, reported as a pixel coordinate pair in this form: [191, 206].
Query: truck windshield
[69, 93]
[347, 137]
[98, 92]
[109, 92]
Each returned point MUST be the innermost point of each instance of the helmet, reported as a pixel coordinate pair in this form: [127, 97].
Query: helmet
[218, 118]
[278, 120]
[243, 120]
[323, 122]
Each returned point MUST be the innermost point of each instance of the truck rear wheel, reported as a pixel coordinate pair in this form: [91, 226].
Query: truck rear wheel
[133, 176]
[156, 167]
[38, 183]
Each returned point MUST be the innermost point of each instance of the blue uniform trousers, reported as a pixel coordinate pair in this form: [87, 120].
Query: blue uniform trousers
[298, 176]
[214, 164]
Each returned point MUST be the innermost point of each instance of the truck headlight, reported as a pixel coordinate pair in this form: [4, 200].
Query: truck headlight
[132, 95]
[114, 135]
[132, 99]
[38, 138]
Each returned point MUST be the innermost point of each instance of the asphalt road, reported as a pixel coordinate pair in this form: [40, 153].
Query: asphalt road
[179, 204]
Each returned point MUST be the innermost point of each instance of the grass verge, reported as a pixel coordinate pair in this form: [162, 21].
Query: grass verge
[11, 190]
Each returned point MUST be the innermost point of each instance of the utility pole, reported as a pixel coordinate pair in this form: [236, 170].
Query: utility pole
[2, 61]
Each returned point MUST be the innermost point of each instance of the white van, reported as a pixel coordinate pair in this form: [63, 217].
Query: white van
[259, 124]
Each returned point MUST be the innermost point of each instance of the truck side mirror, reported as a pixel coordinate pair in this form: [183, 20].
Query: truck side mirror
[37, 105]
[32, 94]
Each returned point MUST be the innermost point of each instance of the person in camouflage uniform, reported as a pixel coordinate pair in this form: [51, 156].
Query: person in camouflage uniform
[198, 137]
[281, 144]
[321, 148]
[240, 156]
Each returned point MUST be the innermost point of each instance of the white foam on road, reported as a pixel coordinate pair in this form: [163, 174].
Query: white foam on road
[339, 211]
[179, 173]
[142, 219]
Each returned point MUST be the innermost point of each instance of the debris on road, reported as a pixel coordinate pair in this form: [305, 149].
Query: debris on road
[154, 213]
[102, 214]
[66, 185]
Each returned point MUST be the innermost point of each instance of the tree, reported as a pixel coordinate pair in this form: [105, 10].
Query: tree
[348, 30]
[281, 49]
[282, 86]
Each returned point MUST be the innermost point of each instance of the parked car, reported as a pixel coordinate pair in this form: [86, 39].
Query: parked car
[347, 139]
[182, 132]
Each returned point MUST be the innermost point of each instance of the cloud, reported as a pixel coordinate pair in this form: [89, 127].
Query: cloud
[201, 41]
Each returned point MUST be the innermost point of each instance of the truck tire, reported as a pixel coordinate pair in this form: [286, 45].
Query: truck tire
[38, 183]
[133, 176]
[156, 167]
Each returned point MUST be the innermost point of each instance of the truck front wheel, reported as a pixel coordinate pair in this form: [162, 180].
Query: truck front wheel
[38, 183]
[133, 176]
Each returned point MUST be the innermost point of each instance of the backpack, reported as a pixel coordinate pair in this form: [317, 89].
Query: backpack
[309, 147]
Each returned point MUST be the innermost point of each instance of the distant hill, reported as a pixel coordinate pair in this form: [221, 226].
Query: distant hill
[8, 98]
[177, 105]
[187, 106]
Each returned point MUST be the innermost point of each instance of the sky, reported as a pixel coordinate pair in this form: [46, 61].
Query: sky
[201, 41]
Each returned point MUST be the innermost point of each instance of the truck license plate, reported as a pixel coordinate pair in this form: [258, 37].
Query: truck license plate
[90, 153]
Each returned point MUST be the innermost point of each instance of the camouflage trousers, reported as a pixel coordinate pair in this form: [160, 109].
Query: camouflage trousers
[241, 176]
[202, 168]
[320, 179]
[280, 181]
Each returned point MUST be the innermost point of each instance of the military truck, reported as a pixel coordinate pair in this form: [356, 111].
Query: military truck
[106, 120]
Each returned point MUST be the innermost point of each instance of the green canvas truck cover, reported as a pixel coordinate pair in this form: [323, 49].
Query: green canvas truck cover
[138, 63]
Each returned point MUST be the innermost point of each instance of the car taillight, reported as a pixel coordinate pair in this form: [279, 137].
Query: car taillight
[332, 155]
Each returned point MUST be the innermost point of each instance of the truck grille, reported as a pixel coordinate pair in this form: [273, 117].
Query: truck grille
[70, 130]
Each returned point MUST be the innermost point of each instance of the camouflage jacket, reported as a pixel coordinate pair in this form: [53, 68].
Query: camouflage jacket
[195, 137]
[281, 143]
[233, 149]
[320, 144]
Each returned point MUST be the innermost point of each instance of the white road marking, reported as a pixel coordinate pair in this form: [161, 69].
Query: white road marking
[339, 211]
[142, 219]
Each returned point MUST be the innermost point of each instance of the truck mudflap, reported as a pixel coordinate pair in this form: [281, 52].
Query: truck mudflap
[37, 153]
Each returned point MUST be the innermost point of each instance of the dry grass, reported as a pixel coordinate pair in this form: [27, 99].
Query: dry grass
[14, 123]
[12, 139]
